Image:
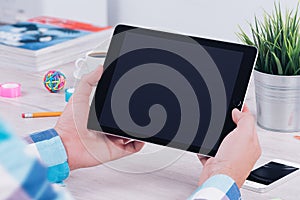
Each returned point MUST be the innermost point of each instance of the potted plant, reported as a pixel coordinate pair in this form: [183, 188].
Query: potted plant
[277, 70]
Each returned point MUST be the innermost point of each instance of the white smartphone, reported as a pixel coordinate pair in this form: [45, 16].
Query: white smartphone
[268, 176]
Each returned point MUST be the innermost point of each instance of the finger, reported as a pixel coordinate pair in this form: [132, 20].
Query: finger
[245, 121]
[88, 82]
[138, 145]
[242, 119]
[203, 159]
[93, 77]
[129, 145]
[126, 141]
[133, 147]
[236, 115]
[245, 108]
[117, 141]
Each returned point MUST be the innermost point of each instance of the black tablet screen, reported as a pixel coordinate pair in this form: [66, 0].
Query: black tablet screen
[169, 89]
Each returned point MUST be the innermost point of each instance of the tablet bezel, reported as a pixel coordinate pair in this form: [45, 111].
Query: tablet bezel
[237, 98]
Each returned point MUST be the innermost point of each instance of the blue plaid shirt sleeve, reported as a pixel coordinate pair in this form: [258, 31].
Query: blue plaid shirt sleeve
[218, 187]
[48, 146]
[22, 175]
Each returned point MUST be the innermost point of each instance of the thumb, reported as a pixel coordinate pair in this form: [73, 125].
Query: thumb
[88, 82]
[236, 115]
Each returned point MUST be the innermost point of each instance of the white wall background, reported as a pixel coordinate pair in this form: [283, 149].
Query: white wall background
[207, 18]
[91, 11]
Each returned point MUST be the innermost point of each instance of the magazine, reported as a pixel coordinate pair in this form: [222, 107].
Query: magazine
[46, 41]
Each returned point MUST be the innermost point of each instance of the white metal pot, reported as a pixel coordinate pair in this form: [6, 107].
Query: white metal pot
[277, 101]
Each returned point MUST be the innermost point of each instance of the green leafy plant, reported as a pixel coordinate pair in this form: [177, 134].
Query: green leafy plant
[277, 39]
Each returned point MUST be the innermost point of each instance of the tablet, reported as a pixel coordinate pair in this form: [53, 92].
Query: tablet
[171, 89]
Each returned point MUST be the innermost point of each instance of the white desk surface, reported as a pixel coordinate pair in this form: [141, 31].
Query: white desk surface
[176, 181]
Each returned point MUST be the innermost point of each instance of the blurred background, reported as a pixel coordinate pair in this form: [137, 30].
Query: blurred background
[213, 19]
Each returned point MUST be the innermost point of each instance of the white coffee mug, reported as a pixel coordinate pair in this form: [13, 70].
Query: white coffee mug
[89, 63]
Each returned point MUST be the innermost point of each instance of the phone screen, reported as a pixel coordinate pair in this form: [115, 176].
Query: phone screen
[270, 173]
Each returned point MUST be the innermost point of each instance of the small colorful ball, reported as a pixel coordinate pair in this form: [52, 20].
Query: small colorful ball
[54, 81]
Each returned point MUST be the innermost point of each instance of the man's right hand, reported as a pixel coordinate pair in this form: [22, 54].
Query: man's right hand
[238, 152]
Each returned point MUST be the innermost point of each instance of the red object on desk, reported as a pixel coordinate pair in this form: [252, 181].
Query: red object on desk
[297, 137]
[66, 23]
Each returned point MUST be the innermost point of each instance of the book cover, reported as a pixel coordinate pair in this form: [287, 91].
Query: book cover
[42, 32]
[36, 36]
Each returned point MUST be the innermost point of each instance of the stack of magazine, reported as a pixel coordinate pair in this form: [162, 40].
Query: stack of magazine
[46, 42]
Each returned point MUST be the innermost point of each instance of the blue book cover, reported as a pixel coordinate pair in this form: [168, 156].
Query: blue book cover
[35, 36]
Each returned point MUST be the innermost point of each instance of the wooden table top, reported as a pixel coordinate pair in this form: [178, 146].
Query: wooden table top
[176, 180]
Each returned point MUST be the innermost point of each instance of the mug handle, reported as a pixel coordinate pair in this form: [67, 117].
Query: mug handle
[78, 73]
[79, 62]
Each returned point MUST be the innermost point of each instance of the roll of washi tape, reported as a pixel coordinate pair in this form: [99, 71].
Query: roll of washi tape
[10, 90]
[68, 93]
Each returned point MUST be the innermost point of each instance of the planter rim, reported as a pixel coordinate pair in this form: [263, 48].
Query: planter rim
[273, 75]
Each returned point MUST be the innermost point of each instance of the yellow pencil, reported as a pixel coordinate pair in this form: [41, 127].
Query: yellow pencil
[41, 114]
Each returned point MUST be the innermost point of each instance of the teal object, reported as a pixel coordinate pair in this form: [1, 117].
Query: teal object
[68, 93]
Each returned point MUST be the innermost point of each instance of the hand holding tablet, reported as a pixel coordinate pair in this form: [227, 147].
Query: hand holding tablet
[171, 89]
